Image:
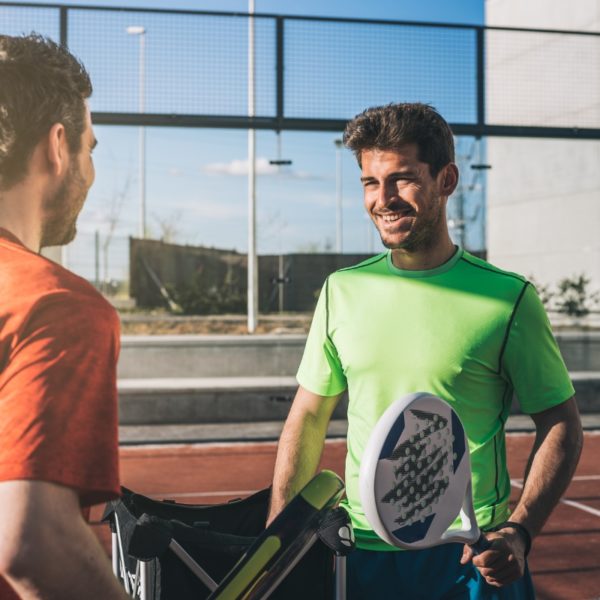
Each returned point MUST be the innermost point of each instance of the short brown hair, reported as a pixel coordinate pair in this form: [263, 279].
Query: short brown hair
[392, 126]
[41, 84]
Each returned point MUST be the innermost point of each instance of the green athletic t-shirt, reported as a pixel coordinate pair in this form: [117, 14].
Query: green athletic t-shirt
[465, 331]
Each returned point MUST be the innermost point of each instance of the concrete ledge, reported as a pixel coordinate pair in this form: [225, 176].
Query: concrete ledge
[203, 384]
[271, 355]
[207, 400]
[210, 355]
[587, 390]
[580, 350]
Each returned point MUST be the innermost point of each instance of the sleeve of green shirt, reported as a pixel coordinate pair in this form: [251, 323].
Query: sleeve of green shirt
[320, 370]
[532, 359]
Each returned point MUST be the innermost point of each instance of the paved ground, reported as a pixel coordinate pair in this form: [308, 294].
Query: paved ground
[269, 430]
[565, 560]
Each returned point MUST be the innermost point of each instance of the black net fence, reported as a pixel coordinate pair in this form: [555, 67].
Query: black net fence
[312, 73]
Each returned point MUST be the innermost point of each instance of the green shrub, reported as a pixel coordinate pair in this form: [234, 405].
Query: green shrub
[573, 297]
[196, 298]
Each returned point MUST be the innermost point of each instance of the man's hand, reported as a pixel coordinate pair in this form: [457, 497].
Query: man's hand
[504, 562]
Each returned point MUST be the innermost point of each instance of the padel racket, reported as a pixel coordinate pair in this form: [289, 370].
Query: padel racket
[415, 476]
[279, 548]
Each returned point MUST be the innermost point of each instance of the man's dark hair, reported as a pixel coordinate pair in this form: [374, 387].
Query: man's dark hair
[392, 126]
[41, 84]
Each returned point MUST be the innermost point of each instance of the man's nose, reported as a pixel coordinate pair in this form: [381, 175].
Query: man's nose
[387, 194]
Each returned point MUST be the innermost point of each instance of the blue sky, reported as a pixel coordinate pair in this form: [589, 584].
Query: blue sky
[196, 178]
[443, 11]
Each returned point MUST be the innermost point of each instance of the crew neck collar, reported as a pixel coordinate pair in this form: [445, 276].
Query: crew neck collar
[443, 268]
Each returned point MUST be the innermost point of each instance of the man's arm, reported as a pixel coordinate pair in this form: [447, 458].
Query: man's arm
[300, 446]
[47, 550]
[553, 459]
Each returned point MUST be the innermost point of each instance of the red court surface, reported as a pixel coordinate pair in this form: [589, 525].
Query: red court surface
[565, 560]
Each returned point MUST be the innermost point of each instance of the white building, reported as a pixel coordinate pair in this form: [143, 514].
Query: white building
[543, 195]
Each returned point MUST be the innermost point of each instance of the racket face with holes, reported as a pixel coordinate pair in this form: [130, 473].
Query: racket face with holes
[415, 472]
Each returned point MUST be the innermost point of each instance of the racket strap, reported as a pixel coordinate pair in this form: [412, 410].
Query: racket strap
[335, 531]
[523, 531]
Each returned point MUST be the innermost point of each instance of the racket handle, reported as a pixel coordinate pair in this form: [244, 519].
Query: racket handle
[481, 545]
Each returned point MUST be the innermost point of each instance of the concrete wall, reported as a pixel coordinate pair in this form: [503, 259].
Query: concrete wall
[210, 356]
[217, 379]
[543, 196]
[270, 355]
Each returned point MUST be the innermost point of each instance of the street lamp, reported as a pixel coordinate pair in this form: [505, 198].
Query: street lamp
[141, 33]
[338, 196]
[252, 257]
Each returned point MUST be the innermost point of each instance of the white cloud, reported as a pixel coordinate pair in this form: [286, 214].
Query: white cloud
[239, 168]
[211, 210]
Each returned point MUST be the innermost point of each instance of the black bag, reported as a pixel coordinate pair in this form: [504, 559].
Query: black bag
[215, 536]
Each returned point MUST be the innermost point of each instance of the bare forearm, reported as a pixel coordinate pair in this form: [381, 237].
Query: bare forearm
[298, 455]
[47, 550]
[300, 448]
[70, 567]
[551, 466]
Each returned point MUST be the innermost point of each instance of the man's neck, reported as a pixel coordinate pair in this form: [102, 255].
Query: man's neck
[19, 216]
[423, 260]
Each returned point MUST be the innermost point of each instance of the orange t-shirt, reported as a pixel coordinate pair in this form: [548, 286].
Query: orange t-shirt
[59, 344]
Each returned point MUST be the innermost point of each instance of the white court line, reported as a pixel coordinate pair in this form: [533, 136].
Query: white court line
[519, 482]
[578, 505]
[583, 507]
[586, 478]
[515, 482]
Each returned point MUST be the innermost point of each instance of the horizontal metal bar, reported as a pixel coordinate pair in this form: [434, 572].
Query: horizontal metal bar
[334, 125]
[179, 11]
[176, 11]
[578, 133]
[178, 120]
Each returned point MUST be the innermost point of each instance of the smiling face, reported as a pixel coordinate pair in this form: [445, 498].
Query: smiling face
[406, 204]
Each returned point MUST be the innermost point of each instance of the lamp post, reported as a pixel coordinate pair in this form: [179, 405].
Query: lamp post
[338, 197]
[141, 33]
[252, 257]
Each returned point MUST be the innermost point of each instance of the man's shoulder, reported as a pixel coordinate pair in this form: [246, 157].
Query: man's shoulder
[369, 265]
[32, 281]
[478, 268]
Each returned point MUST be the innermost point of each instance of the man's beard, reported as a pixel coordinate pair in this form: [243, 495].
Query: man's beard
[421, 238]
[62, 209]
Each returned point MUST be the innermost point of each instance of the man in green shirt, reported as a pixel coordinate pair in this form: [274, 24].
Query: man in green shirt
[428, 316]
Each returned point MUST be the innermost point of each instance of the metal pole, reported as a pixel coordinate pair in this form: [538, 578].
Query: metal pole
[97, 259]
[140, 31]
[142, 136]
[281, 281]
[338, 197]
[252, 258]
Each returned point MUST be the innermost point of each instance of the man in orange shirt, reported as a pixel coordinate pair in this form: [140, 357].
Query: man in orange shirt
[59, 339]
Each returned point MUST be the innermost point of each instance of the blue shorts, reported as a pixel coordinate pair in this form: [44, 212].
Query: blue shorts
[432, 574]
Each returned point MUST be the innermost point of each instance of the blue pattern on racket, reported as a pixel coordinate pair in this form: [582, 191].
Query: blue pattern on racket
[415, 477]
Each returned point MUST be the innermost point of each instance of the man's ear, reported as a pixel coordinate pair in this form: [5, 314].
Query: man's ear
[448, 179]
[57, 151]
